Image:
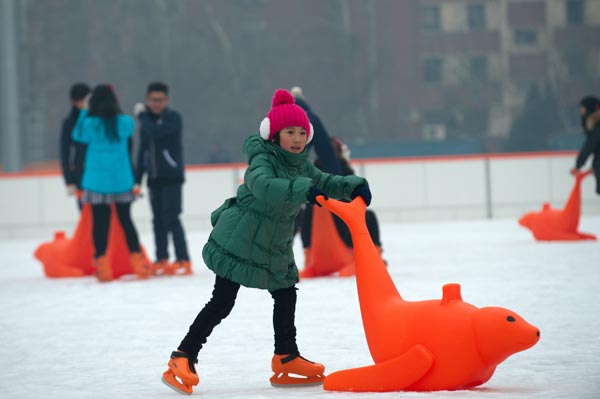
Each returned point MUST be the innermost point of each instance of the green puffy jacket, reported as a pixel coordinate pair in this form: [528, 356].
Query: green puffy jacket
[251, 242]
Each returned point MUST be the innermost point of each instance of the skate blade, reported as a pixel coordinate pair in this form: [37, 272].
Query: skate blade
[182, 272]
[285, 381]
[169, 380]
[172, 270]
[159, 272]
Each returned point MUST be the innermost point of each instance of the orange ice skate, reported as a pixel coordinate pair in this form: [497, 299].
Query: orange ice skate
[104, 272]
[181, 375]
[180, 267]
[140, 268]
[160, 267]
[309, 373]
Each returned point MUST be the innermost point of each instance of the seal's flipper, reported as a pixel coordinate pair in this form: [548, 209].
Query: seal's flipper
[393, 375]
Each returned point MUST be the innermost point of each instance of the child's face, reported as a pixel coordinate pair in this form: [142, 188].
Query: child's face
[293, 139]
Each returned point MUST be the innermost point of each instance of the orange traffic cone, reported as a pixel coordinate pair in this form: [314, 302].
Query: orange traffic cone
[328, 253]
[559, 224]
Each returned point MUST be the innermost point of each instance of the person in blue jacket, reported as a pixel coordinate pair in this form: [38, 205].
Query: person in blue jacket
[160, 155]
[108, 174]
[72, 153]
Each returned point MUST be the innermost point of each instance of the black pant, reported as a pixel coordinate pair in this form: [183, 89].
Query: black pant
[165, 200]
[342, 229]
[101, 225]
[221, 304]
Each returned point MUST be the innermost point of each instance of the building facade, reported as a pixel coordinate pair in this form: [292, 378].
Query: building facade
[477, 60]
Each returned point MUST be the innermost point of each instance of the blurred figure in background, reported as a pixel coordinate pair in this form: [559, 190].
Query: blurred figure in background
[321, 143]
[160, 155]
[333, 156]
[589, 110]
[72, 153]
[108, 175]
[343, 155]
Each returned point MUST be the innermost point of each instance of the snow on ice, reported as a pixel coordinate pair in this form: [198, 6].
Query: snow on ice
[76, 338]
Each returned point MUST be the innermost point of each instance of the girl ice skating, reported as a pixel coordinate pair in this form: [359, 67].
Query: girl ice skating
[251, 241]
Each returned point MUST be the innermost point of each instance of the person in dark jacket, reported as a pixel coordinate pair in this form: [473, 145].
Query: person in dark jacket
[328, 160]
[251, 241]
[589, 110]
[160, 156]
[321, 145]
[343, 155]
[72, 153]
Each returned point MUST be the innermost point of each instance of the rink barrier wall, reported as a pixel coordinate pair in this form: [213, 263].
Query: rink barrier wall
[404, 189]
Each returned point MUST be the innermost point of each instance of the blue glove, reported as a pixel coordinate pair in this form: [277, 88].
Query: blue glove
[313, 192]
[364, 192]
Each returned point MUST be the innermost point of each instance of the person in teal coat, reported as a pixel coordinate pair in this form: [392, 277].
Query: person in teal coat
[252, 237]
[108, 175]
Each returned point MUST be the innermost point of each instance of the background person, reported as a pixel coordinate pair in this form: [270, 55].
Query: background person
[160, 155]
[108, 175]
[343, 155]
[72, 153]
[589, 111]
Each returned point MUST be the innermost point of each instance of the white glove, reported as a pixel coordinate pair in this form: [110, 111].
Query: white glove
[138, 108]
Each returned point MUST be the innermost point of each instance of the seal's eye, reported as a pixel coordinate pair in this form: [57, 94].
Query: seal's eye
[510, 319]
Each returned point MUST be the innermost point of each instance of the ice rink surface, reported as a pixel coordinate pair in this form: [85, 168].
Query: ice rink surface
[76, 338]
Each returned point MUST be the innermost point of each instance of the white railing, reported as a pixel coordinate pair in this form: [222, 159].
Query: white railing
[404, 189]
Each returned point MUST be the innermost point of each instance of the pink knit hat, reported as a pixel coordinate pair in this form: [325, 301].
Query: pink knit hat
[284, 113]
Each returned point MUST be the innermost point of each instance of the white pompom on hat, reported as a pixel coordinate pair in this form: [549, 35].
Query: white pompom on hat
[284, 113]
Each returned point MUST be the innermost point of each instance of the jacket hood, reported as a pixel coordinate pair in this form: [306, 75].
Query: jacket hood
[254, 145]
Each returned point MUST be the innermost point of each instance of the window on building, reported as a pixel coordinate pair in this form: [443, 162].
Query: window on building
[432, 70]
[574, 12]
[430, 18]
[525, 36]
[478, 68]
[476, 16]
